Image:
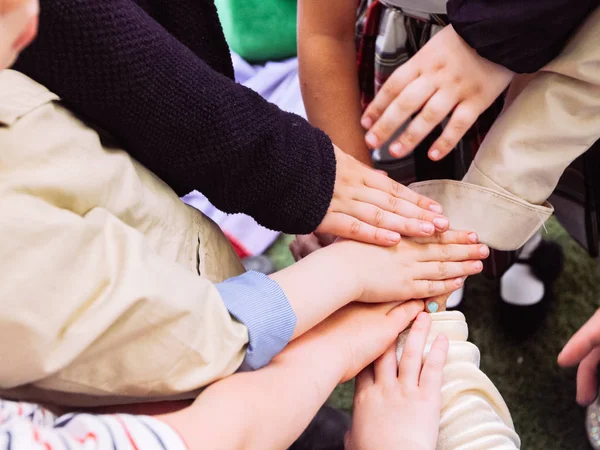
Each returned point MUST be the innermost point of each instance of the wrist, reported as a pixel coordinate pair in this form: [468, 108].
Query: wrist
[344, 261]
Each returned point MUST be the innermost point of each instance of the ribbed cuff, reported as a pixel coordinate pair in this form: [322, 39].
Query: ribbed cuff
[260, 304]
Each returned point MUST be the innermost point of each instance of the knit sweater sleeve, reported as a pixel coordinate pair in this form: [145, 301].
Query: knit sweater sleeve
[522, 35]
[112, 63]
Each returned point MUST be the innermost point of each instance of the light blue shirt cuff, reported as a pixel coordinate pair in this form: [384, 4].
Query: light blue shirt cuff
[260, 304]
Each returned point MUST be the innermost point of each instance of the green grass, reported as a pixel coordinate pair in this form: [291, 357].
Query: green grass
[539, 394]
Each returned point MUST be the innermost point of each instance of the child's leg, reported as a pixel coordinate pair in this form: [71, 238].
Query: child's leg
[474, 415]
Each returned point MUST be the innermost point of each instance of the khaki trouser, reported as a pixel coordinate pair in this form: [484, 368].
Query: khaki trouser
[106, 291]
[552, 120]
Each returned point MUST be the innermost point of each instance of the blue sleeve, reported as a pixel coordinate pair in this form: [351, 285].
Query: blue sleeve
[261, 305]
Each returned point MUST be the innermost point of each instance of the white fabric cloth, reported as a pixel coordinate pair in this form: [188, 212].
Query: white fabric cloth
[474, 415]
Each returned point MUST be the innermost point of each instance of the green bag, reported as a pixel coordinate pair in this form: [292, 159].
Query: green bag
[259, 30]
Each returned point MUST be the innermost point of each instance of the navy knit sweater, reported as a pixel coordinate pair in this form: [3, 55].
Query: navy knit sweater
[157, 75]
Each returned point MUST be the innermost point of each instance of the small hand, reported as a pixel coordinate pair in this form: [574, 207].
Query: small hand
[362, 332]
[18, 27]
[416, 268]
[398, 406]
[446, 77]
[583, 349]
[368, 206]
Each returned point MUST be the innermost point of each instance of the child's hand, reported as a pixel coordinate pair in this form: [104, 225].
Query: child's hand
[583, 349]
[445, 76]
[398, 407]
[358, 333]
[18, 26]
[415, 268]
[370, 207]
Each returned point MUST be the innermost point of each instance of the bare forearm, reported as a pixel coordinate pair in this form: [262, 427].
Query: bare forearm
[283, 397]
[328, 74]
[319, 285]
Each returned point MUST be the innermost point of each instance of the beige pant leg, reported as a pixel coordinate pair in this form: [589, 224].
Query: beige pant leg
[474, 415]
[553, 120]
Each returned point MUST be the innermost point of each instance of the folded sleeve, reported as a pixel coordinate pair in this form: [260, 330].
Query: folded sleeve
[258, 302]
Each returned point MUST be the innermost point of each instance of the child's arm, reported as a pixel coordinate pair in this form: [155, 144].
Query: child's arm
[553, 120]
[464, 68]
[284, 396]
[26, 426]
[102, 297]
[328, 72]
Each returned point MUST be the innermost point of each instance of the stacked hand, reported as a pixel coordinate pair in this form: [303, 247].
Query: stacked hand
[398, 406]
[446, 77]
[369, 206]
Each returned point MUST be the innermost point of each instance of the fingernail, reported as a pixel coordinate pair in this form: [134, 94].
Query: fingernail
[441, 223]
[433, 307]
[427, 228]
[436, 208]
[434, 154]
[366, 122]
[371, 139]
[396, 148]
[478, 265]
[484, 251]
[392, 237]
[459, 282]
[473, 238]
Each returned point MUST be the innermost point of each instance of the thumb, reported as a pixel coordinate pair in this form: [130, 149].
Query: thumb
[401, 316]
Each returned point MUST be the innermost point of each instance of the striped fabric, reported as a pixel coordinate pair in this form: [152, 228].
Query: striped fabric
[387, 37]
[26, 426]
[258, 302]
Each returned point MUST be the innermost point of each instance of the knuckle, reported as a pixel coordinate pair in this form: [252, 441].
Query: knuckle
[409, 136]
[393, 203]
[379, 217]
[431, 288]
[395, 188]
[410, 353]
[443, 269]
[423, 215]
[389, 87]
[355, 228]
[445, 254]
[444, 143]
[430, 115]
[460, 125]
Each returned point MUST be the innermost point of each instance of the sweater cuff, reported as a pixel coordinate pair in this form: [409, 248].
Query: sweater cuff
[260, 304]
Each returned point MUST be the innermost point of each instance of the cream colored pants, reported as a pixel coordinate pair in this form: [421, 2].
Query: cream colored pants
[551, 118]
